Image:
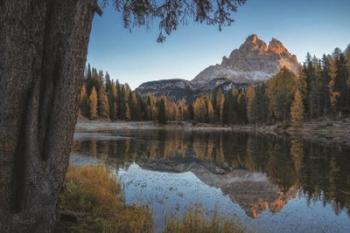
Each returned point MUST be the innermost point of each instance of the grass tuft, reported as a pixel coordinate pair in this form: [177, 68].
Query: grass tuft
[93, 197]
[194, 221]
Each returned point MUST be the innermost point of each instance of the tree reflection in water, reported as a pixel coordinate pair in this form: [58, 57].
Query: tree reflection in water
[318, 171]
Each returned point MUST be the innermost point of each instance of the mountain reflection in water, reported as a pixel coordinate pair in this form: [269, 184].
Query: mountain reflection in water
[272, 184]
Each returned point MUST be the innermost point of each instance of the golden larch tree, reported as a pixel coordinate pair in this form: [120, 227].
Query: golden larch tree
[93, 104]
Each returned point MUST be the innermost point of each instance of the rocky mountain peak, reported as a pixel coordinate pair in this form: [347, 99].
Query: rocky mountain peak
[252, 38]
[276, 46]
[253, 61]
[253, 42]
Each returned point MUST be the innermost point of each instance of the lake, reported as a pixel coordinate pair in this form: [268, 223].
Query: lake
[269, 184]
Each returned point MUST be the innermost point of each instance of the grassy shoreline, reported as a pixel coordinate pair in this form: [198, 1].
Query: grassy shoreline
[92, 202]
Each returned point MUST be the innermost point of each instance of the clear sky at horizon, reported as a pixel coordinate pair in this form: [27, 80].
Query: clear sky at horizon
[315, 26]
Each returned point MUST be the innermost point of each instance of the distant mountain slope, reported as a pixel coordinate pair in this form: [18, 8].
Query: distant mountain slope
[175, 88]
[254, 61]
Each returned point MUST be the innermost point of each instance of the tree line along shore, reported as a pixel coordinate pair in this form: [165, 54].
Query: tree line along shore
[321, 90]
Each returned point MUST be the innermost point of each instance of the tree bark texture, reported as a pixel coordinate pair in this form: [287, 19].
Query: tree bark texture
[43, 48]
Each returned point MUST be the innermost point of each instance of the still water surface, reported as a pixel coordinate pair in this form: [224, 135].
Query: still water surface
[270, 184]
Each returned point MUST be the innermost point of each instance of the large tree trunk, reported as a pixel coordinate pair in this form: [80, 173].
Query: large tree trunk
[43, 48]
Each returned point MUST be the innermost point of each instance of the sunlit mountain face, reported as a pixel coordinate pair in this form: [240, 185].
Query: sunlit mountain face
[253, 62]
[265, 181]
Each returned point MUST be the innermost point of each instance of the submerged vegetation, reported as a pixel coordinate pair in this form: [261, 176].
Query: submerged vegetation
[92, 201]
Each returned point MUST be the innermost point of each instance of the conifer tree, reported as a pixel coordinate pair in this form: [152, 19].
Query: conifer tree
[241, 115]
[190, 112]
[117, 99]
[122, 103]
[262, 104]
[142, 107]
[219, 105]
[127, 113]
[327, 74]
[83, 102]
[93, 104]
[252, 105]
[210, 112]
[162, 117]
[99, 80]
[280, 90]
[108, 82]
[307, 73]
[341, 83]
[183, 110]
[88, 80]
[103, 105]
[333, 93]
[112, 102]
[347, 55]
[312, 72]
[229, 114]
[135, 107]
[297, 109]
[171, 109]
[151, 108]
[111, 95]
[200, 109]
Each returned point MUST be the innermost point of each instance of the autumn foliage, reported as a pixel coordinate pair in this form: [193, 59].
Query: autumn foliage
[322, 88]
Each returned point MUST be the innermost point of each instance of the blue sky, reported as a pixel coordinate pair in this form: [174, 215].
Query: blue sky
[315, 26]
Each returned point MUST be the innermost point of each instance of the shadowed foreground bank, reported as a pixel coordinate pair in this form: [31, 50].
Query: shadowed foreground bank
[92, 202]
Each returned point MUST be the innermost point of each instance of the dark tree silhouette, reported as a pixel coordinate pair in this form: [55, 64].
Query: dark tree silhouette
[162, 118]
[172, 13]
[43, 48]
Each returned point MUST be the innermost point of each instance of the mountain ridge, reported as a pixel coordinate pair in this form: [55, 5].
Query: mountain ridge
[254, 61]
